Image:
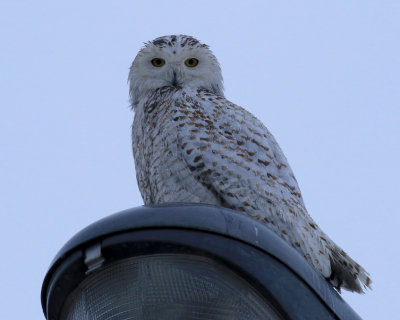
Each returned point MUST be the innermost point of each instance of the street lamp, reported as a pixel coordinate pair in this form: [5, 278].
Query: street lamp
[184, 261]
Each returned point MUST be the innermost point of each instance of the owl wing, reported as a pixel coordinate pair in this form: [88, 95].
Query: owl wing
[234, 155]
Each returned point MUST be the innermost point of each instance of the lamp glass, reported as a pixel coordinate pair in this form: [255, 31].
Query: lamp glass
[166, 287]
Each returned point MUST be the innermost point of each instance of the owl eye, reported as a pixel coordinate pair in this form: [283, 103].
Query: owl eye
[191, 62]
[157, 62]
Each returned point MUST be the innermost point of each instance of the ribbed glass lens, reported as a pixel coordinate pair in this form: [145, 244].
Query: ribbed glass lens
[166, 287]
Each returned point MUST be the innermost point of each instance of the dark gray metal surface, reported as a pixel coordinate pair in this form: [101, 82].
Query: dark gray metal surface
[211, 219]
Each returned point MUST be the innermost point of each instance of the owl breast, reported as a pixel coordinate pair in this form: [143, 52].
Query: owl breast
[162, 173]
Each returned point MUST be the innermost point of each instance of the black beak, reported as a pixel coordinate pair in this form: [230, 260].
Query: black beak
[174, 80]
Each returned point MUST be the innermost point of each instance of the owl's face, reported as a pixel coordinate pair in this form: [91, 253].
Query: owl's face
[176, 60]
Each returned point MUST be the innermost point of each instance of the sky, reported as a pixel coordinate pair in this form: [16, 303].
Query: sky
[322, 76]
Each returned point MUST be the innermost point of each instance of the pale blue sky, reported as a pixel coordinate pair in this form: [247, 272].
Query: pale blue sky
[324, 77]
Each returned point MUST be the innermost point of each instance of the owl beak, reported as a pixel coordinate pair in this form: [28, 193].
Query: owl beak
[174, 81]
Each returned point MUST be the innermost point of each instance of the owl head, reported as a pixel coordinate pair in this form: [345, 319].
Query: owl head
[178, 61]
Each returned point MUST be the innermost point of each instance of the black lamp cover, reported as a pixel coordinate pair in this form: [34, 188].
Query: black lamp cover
[185, 261]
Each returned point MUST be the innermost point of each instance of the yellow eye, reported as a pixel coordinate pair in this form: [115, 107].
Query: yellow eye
[191, 62]
[158, 62]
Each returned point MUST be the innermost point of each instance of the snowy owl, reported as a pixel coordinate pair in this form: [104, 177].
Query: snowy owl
[191, 144]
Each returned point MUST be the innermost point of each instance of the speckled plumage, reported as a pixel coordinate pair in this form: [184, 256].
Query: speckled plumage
[190, 144]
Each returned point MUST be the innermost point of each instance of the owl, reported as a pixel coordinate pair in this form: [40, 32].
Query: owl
[191, 144]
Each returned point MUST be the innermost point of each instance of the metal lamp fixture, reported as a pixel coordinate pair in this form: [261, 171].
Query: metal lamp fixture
[184, 262]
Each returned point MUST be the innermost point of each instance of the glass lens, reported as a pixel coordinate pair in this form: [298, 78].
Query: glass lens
[166, 287]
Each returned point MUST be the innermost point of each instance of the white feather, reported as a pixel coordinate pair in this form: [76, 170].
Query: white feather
[192, 145]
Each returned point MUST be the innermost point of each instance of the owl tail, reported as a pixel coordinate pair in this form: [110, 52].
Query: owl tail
[346, 273]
